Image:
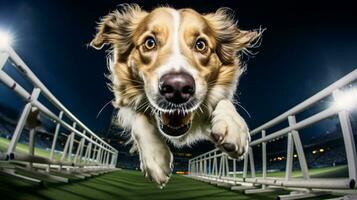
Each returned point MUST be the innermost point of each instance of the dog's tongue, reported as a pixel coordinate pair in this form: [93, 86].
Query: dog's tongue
[175, 119]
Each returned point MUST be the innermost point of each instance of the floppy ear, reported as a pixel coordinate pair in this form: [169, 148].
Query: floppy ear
[230, 39]
[117, 28]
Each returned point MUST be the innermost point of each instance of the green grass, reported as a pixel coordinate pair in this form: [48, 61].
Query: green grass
[23, 148]
[326, 172]
[123, 184]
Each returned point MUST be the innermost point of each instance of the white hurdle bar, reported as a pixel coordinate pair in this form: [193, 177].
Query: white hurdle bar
[95, 146]
[198, 169]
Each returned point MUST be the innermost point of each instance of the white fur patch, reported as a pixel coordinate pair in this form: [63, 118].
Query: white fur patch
[176, 61]
[175, 34]
[155, 156]
[232, 128]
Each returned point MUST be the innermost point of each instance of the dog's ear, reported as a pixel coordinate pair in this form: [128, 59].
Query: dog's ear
[230, 39]
[117, 28]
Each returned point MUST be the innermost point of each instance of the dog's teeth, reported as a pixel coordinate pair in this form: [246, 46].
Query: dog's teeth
[173, 127]
[165, 118]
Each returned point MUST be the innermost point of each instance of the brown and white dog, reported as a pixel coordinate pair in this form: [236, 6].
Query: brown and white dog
[174, 74]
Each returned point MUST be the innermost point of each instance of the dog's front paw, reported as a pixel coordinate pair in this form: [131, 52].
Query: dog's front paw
[229, 130]
[156, 164]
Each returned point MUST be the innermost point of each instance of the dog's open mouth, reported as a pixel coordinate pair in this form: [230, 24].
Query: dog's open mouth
[175, 123]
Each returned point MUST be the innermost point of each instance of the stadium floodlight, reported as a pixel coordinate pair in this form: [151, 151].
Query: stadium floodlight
[346, 99]
[5, 39]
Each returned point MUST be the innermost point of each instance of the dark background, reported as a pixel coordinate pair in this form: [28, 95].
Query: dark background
[307, 46]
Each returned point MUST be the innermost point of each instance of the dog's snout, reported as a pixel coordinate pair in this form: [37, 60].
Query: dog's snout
[177, 87]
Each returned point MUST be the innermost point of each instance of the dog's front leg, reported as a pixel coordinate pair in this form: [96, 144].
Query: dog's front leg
[155, 155]
[229, 130]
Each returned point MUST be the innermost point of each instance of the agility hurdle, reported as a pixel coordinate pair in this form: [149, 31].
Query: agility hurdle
[93, 155]
[216, 167]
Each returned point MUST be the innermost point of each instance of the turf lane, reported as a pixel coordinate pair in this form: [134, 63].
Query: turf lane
[122, 184]
[119, 185]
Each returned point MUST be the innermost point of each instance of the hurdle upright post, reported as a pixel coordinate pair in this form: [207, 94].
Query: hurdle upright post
[264, 159]
[71, 142]
[21, 123]
[289, 157]
[349, 141]
[54, 141]
[299, 149]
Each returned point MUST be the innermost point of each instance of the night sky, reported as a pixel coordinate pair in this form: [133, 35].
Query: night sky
[307, 46]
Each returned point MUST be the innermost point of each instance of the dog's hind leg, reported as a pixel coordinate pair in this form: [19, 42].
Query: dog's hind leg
[229, 130]
[155, 155]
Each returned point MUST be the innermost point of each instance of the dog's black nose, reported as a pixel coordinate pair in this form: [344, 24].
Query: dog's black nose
[177, 87]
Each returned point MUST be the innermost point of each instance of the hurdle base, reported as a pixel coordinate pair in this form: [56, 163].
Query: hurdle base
[12, 173]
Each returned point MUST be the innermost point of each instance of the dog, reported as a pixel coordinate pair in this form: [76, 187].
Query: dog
[174, 74]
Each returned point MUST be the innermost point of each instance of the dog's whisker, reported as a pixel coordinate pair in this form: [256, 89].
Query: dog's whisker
[147, 107]
[140, 88]
[200, 109]
[101, 110]
[132, 80]
[129, 91]
[240, 105]
[135, 87]
[142, 105]
[205, 106]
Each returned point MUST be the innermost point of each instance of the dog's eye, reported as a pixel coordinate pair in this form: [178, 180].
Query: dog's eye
[200, 45]
[150, 43]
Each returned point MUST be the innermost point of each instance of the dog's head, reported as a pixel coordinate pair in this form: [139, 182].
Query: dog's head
[172, 62]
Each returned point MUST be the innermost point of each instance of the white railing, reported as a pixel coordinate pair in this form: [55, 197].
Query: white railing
[215, 167]
[92, 153]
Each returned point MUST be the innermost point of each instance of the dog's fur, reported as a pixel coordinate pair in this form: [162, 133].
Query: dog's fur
[136, 70]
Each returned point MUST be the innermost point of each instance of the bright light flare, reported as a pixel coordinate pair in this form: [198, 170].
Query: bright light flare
[5, 39]
[346, 99]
